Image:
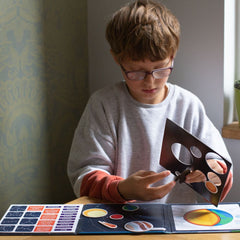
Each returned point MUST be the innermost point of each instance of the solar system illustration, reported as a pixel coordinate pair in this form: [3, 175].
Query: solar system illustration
[182, 153]
[132, 218]
[121, 218]
[206, 218]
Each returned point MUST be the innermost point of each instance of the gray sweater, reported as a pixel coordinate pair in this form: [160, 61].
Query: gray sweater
[120, 136]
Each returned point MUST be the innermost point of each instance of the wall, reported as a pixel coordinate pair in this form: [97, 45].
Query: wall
[43, 90]
[199, 63]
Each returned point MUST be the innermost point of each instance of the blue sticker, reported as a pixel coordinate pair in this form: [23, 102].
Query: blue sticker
[10, 220]
[29, 221]
[53, 206]
[68, 214]
[4, 228]
[66, 218]
[32, 214]
[71, 207]
[65, 222]
[18, 208]
[64, 225]
[62, 229]
[24, 229]
[14, 214]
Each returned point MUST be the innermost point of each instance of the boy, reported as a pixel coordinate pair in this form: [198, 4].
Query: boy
[117, 144]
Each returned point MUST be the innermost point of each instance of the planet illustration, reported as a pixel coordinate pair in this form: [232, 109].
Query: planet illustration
[208, 217]
[95, 212]
[138, 226]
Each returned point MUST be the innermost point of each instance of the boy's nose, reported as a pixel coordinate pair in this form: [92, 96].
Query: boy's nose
[149, 78]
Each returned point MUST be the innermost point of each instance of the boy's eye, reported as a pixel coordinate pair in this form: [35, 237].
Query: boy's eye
[136, 75]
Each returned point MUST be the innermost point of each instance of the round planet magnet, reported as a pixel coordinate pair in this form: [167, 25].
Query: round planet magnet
[211, 187]
[130, 208]
[95, 212]
[138, 226]
[116, 217]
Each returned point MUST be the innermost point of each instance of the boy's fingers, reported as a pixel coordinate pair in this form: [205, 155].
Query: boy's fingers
[152, 178]
[143, 173]
[196, 176]
[160, 192]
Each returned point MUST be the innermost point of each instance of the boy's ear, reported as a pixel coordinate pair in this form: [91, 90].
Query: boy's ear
[114, 57]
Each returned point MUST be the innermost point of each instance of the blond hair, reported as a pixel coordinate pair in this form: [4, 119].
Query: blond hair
[143, 29]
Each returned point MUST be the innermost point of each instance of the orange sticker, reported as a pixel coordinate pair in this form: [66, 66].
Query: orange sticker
[49, 216]
[43, 229]
[35, 208]
[46, 222]
[52, 210]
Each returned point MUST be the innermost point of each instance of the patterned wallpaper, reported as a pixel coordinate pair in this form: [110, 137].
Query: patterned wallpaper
[43, 91]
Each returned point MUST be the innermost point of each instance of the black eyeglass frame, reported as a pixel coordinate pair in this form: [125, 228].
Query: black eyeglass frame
[146, 72]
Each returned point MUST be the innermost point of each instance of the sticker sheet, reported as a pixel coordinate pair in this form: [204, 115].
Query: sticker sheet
[27, 219]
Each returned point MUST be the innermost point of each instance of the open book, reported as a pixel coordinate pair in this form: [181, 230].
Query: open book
[119, 219]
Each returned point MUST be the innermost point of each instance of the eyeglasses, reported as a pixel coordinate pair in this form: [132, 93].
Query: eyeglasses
[156, 73]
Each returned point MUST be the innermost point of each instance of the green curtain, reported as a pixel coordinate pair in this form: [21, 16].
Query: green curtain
[43, 91]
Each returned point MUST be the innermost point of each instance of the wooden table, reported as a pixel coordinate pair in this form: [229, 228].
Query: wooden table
[84, 200]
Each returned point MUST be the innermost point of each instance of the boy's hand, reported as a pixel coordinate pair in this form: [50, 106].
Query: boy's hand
[195, 176]
[137, 186]
[213, 164]
[198, 176]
